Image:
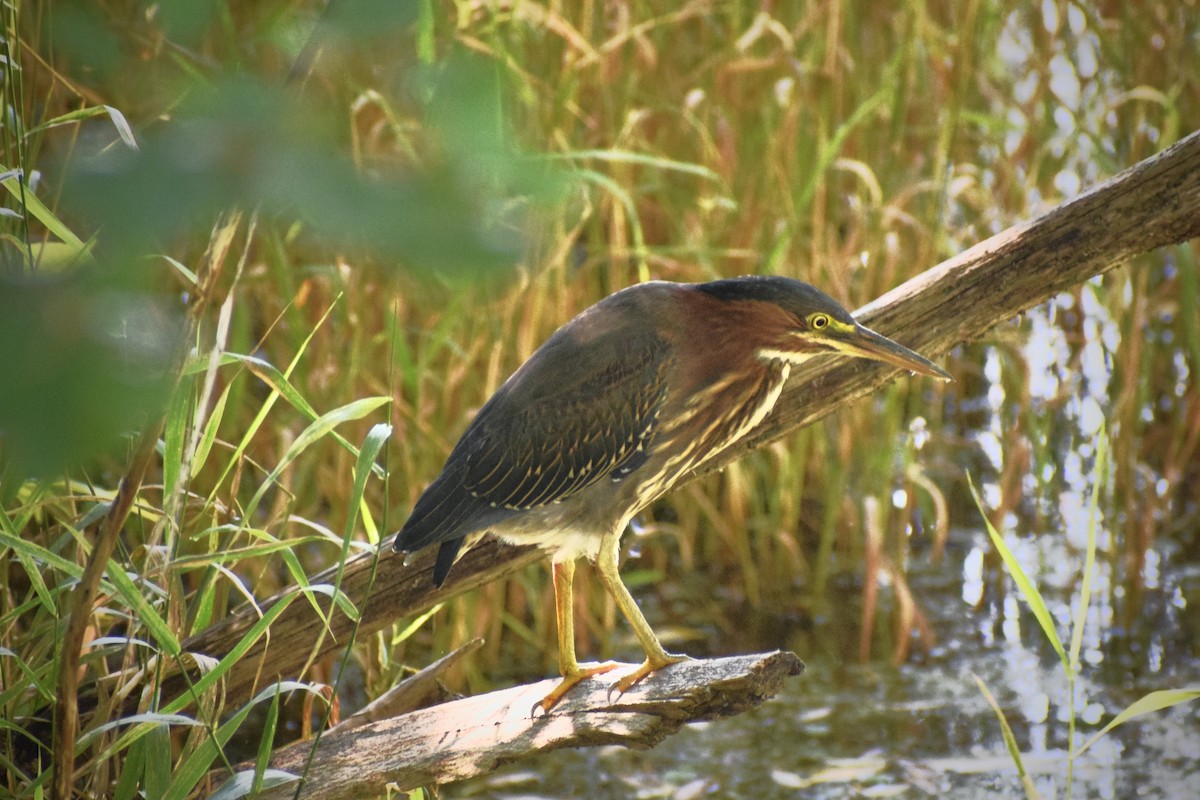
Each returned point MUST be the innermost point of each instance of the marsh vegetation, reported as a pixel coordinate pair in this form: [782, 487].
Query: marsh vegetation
[427, 193]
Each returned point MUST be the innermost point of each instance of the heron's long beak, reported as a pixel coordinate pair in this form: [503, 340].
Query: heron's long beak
[866, 343]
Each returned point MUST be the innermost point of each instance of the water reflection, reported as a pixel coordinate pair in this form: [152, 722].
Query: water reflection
[847, 730]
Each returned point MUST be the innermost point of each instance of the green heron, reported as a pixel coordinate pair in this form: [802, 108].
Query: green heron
[636, 392]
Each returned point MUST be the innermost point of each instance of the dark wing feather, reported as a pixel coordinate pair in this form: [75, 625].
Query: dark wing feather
[568, 438]
[573, 415]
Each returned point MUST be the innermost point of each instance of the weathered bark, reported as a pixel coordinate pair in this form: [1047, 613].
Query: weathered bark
[1151, 205]
[415, 692]
[475, 735]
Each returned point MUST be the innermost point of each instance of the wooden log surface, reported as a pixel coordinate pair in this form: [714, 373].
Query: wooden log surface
[474, 735]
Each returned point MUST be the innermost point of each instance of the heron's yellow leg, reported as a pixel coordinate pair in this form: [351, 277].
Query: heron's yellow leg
[656, 656]
[568, 666]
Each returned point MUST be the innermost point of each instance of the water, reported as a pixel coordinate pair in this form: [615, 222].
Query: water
[848, 730]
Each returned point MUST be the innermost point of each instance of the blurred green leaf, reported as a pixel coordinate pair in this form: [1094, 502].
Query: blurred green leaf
[240, 144]
[84, 358]
[81, 363]
[184, 20]
[367, 18]
[77, 30]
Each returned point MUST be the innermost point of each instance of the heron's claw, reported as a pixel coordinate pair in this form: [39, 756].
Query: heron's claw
[649, 666]
[567, 683]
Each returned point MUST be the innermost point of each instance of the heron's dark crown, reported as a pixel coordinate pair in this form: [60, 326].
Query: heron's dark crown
[796, 297]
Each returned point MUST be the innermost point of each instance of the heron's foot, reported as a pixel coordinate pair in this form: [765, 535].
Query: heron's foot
[568, 682]
[651, 664]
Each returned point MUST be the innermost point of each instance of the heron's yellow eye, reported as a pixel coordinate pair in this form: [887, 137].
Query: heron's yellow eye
[818, 321]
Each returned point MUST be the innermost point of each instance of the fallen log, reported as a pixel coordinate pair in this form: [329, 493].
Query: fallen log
[474, 735]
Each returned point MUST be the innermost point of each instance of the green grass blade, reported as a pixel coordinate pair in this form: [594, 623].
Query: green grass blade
[298, 574]
[40, 589]
[156, 764]
[631, 211]
[181, 268]
[163, 720]
[832, 149]
[44, 215]
[1027, 588]
[43, 688]
[210, 430]
[83, 114]
[127, 787]
[242, 783]
[280, 387]
[416, 624]
[143, 611]
[208, 679]
[189, 773]
[174, 433]
[1089, 564]
[204, 603]
[1155, 701]
[122, 125]
[46, 557]
[640, 159]
[370, 528]
[317, 430]
[272, 376]
[1010, 741]
[267, 744]
[376, 438]
[278, 381]
[256, 632]
[267, 548]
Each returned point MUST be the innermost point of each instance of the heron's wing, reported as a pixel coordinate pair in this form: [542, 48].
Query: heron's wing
[552, 440]
[574, 414]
